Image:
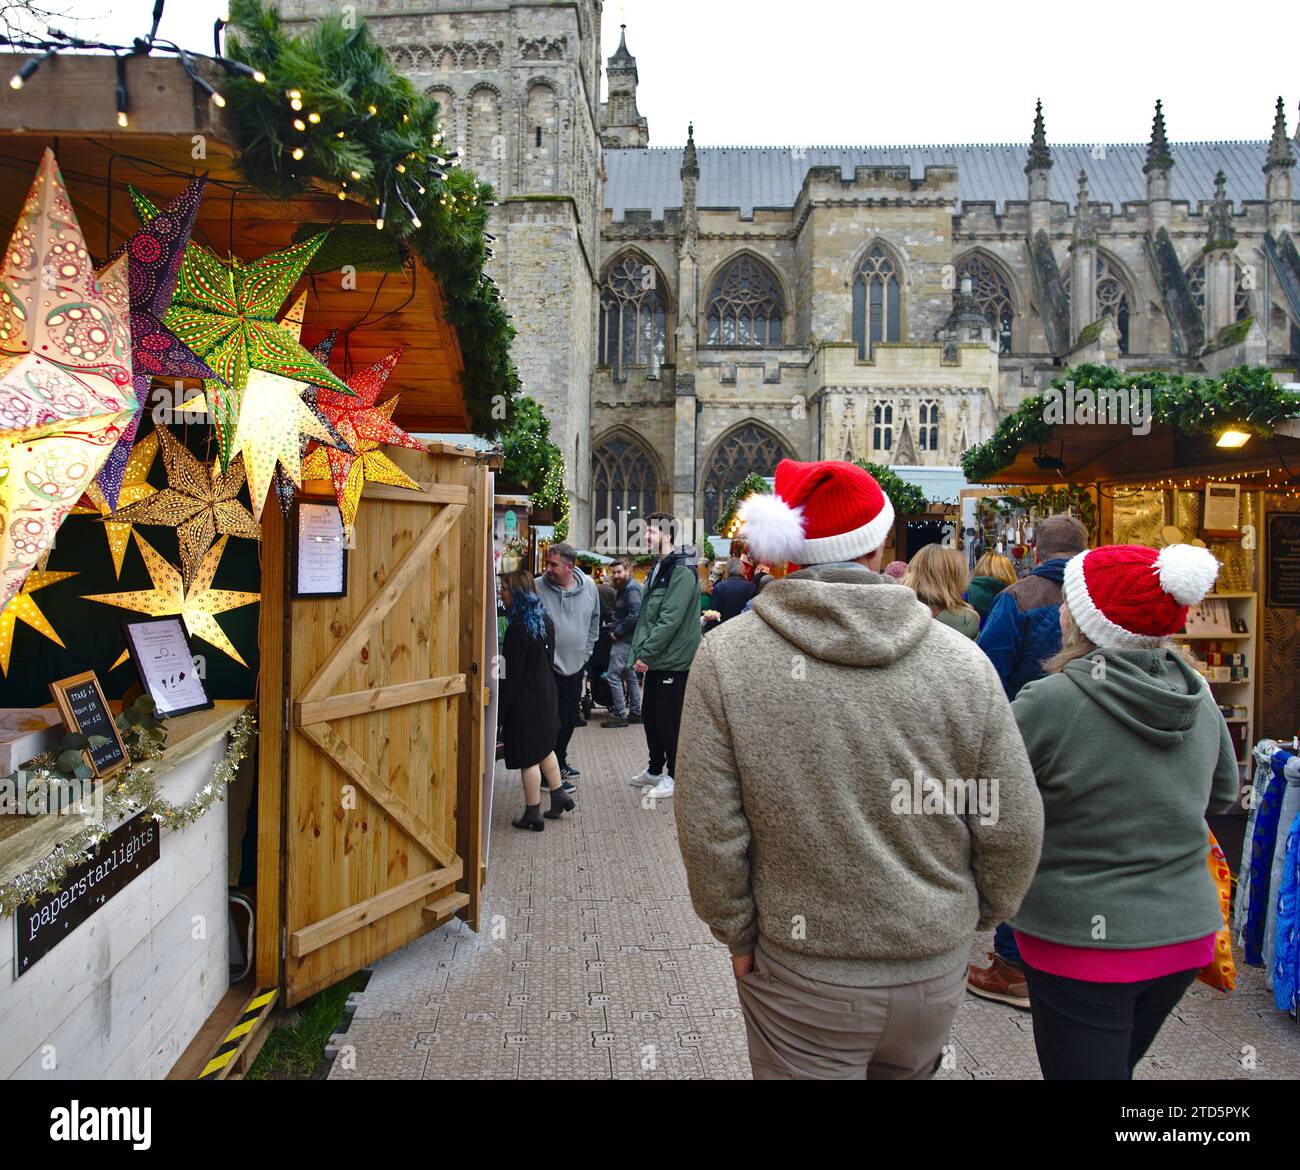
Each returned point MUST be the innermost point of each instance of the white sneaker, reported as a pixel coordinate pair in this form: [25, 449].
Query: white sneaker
[663, 790]
[646, 779]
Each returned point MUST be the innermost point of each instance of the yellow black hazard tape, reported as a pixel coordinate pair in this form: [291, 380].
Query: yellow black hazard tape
[254, 1012]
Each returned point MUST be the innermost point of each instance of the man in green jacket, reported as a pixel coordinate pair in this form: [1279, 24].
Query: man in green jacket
[663, 647]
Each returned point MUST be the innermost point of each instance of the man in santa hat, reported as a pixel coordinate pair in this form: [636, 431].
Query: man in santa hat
[809, 724]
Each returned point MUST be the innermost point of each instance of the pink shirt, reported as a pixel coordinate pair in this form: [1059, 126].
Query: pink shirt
[1094, 965]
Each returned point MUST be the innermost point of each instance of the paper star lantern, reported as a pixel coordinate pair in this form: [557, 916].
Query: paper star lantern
[273, 422]
[65, 373]
[155, 253]
[224, 310]
[133, 488]
[22, 607]
[285, 487]
[364, 426]
[197, 605]
[199, 501]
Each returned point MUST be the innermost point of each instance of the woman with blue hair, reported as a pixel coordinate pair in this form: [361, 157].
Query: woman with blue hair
[530, 718]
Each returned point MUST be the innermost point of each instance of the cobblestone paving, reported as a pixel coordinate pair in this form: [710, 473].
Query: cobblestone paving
[592, 964]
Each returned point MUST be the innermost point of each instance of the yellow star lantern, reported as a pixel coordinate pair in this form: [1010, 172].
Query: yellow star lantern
[65, 373]
[272, 417]
[134, 488]
[23, 608]
[197, 606]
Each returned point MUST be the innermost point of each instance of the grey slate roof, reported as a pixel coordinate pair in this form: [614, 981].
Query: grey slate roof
[746, 177]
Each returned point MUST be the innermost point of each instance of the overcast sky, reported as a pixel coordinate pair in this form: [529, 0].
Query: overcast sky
[853, 72]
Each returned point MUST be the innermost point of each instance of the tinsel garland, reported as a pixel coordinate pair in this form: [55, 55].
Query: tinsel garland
[136, 791]
[1247, 398]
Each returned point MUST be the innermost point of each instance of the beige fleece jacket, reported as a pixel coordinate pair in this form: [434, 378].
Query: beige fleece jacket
[819, 803]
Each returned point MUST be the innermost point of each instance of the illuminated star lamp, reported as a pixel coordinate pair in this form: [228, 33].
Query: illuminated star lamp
[224, 310]
[365, 426]
[22, 607]
[134, 487]
[273, 419]
[197, 605]
[155, 253]
[199, 501]
[65, 373]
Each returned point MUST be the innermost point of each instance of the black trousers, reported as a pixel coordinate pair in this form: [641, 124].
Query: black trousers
[568, 700]
[1098, 1031]
[661, 712]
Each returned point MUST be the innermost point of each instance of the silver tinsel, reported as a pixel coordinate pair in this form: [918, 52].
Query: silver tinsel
[136, 791]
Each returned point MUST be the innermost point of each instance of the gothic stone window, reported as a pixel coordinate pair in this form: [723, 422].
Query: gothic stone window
[633, 317]
[623, 480]
[882, 427]
[993, 295]
[1196, 279]
[748, 450]
[928, 428]
[745, 306]
[1112, 298]
[877, 295]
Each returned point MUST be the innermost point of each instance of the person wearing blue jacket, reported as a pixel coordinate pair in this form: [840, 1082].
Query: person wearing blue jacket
[624, 686]
[1021, 632]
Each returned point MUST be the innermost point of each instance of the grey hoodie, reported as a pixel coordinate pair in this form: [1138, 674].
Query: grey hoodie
[810, 727]
[575, 613]
[1130, 751]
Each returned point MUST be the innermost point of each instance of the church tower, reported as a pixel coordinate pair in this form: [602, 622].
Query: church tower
[518, 83]
[621, 121]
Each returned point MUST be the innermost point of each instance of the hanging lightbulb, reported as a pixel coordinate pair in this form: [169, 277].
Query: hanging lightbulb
[401, 169]
[295, 100]
[259, 77]
[299, 124]
[313, 118]
[373, 110]
[218, 100]
[298, 152]
[356, 175]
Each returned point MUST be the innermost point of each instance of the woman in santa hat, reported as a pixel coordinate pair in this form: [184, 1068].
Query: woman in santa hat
[1130, 751]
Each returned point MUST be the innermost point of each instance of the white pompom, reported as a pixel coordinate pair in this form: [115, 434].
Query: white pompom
[1186, 572]
[772, 529]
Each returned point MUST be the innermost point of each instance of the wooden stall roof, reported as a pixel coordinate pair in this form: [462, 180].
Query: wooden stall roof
[68, 105]
[1114, 454]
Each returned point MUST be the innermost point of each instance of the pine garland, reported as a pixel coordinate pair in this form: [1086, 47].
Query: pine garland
[1246, 398]
[907, 498]
[373, 136]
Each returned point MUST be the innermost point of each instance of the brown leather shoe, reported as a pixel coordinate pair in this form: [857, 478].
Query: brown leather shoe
[999, 981]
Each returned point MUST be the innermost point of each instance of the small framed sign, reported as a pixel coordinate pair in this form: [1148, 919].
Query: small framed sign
[80, 700]
[320, 551]
[164, 659]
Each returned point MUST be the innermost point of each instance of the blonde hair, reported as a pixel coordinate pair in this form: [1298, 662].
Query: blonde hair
[997, 566]
[1073, 645]
[937, 576]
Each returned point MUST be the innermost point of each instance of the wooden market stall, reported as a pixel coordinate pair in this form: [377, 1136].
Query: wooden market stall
[365, 826]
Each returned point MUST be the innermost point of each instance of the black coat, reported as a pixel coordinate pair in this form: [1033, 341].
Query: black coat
[530, 721]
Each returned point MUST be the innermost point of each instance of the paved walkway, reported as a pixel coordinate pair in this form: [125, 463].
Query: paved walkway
[591, 964]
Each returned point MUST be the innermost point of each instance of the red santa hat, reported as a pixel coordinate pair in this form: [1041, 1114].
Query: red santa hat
[1127, 597]
[821, 512]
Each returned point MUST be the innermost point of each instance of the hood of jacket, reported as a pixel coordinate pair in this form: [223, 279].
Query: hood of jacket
[982, 590]
[845, 614]
[1155, 693]
[574, 590]
[1053, 570]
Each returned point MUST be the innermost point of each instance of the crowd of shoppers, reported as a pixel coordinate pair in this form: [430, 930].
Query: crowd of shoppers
[833, 706]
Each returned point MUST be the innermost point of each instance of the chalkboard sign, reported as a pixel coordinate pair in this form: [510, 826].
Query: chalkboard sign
[1284, 560]
[124, 854]
[80, 700]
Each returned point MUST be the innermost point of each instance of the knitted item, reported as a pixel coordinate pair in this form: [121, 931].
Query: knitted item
[821, 513]
[1128, 597]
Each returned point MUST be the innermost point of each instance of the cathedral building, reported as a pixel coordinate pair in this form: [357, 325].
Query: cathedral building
[690, 316]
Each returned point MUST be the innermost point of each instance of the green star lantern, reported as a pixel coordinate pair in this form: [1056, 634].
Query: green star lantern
[225, 311]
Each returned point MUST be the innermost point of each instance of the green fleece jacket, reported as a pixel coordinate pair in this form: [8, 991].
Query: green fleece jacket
[1129, 751]
[668, 630]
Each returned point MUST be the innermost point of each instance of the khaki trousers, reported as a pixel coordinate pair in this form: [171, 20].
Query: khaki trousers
[802, 1029]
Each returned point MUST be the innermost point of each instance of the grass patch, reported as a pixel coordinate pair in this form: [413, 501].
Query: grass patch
[294, 1051]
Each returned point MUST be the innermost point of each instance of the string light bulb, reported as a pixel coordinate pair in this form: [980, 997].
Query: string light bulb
[28, 68]
[356, 175]
[313, 118]
[299, 124]
[298, 152]
[295, 100]
[122, 101]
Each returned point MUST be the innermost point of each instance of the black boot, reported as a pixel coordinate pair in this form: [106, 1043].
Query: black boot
[561, 802]
[532, 819]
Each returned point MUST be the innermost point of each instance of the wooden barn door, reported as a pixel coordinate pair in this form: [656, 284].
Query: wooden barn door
[383, 763]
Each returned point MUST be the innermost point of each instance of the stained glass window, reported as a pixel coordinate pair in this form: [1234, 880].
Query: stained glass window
[748, 450]
[1196, 279]
[633, 317]
[745, 306]
[993, 295]
[623, 480]
[877, 297]
[1112, 297]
